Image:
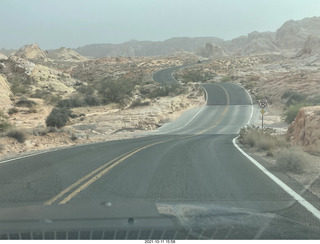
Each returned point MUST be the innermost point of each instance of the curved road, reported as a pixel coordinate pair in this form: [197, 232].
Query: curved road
[190, 161]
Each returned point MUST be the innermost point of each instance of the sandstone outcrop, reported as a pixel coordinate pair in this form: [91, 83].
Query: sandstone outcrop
[304, 131]
[32, 52]
[5, 93]
[312, 45]
[66, 55]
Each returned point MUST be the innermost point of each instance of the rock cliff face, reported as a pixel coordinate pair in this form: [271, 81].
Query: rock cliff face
[312, 45]
[293, 34]
[5, 93]
[211, 50]
[304, 130]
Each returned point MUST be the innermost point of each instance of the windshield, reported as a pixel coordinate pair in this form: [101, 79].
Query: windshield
[159, 120]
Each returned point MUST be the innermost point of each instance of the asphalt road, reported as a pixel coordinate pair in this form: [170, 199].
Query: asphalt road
[190, 161]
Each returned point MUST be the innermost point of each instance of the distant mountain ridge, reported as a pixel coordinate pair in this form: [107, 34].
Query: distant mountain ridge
[301, 35]
[291, 35]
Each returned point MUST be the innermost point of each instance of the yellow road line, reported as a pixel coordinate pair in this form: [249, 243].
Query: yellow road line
[111, 164]
[99, 175]
[222, 115]
[50, 201]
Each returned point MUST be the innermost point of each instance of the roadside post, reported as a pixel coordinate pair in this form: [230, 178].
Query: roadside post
[262, 104]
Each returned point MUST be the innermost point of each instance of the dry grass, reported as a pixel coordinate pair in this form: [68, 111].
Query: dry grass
[293, 159]
[18, 134]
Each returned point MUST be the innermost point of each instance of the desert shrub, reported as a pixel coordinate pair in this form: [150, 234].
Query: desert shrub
[86, 90]
[293, 97]
[254, 136]
[18, 87]
[58, 117]
[41, 131]
[165, 90]
[292, 159]
[13, 110]
[73, 137]
[4, 125]
[138, 102]
[266, 142]
[71, 103]
[226, 79]
[1, 147]
[115, 90]
[26, 103]
[196, 76]
[293, 110]
[18, 134]
[250, 85]
[41, 94]
[313, 99]
[92, 100]
[32, 110]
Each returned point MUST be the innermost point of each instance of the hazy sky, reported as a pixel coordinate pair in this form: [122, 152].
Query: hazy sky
[73, 23]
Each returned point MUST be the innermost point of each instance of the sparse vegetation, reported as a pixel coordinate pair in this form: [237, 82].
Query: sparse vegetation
[26, 103]
[117, 91]
[226, 79]
[73, 137]
[138, 102]
[288, 158]
[293, 110]
[4, 125]
[292, 159]
[18, 134]
[18, 88]
[13, 110]
[254, 137]
[58, 117]
[296, 100]
[32, 110]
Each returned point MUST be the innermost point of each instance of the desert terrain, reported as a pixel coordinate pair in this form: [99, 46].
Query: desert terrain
[114, 97]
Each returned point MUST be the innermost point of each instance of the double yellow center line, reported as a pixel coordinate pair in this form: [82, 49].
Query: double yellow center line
[71, 191]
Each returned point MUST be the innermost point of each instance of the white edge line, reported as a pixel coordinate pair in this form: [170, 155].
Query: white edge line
[192, 117]
[285, 187]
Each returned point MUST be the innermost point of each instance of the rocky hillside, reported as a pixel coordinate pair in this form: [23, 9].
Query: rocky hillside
[66, 55]
[32, 52]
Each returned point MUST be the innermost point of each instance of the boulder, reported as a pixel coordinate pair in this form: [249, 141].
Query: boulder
[304, 130]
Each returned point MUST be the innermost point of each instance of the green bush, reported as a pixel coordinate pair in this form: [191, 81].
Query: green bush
[165, 90]
[13, 110]
[17, 87]
[92, 100]
[117, 91]
[58, 117]
[86, 90]
[293, 110]
[18, 134]
[226, 79]
[72, 103]
[26, 103]
[4, 125]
